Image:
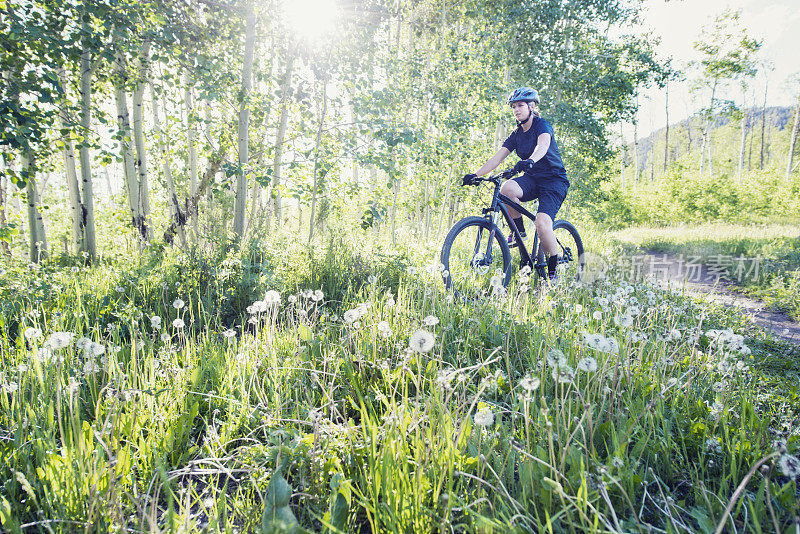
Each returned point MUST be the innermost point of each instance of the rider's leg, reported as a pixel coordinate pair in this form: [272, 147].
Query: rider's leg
[544, 226]
[512, 190]
[550, 200]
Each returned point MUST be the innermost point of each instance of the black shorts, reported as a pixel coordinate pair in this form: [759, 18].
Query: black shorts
[551, 195]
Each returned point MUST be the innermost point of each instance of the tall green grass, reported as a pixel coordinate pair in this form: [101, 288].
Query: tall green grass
[385, 406]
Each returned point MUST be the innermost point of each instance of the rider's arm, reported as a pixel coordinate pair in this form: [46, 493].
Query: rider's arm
[542, 146]
[492, 163]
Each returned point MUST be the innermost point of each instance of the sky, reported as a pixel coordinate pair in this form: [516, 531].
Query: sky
[678, 23]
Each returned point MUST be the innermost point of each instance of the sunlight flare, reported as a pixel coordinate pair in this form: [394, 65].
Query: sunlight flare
[310, 19]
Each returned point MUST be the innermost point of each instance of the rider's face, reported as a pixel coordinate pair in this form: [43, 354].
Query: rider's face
[521, 111]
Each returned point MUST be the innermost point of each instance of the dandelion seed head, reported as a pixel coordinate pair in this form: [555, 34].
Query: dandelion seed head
[789, 465]
[484, 417]
[178, 304]
[530, 383]
[430, 320]
[421, 341]
[32, 333]
[588, 365]
[272, 298]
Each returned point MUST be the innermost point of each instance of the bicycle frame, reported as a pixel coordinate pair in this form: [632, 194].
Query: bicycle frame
[501, 203]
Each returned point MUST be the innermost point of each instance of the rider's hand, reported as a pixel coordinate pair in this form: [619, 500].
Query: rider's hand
[469, 179]
[523, 165]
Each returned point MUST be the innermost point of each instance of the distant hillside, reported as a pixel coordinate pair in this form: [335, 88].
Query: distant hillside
[686, 136]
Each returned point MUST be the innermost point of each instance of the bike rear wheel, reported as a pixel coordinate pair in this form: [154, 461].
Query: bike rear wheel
[476, 258]
[571, 259]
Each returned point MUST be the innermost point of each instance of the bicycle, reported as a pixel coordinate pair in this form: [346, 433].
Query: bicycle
[477, 258]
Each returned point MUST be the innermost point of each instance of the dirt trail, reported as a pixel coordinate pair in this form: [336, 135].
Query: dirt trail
[697, 279]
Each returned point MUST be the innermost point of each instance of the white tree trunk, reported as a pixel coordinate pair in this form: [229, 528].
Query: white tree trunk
[4, 245]
[191, 141]
[126, 138]
[793, 142]
[317, 143]
[240, 198]
[89, 245]
[743, 138]
[277, 161]
[37, 238]
[163, 149]
[75, 206]
[138, 135]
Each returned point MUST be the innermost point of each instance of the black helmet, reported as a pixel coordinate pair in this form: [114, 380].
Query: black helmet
[524, 94]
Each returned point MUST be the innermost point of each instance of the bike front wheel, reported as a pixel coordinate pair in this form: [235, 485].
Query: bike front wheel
[476, 259]
[571, 259]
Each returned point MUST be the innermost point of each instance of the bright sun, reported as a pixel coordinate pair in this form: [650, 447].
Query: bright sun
[310, 19]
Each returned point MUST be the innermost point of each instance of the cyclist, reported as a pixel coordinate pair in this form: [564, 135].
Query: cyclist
[544, 176]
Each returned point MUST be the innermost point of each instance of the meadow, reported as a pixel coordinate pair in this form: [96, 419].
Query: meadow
[279, 388]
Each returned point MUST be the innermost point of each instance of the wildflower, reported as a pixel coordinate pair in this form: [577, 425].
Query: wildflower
[484, 417]
[430, 320]
[318, 295]
[390, 302]
[421, 341]
[74, 269]
[674, 334]
[292, 299]
[602, 301]
[43, 355]
[789, 465]
[178, 323]
[11, 387]
[94, 349]
[165, 337]
[578, 308]
[496, 281]
[625, 321]
[120, 289]
[372, 279]
[272, 298]
[588, 365]
[90, 367]
[564, 374]
[384, 329]
[720, 386]
[445, 274]
[82, 342]
[32, 333]
[351, 316]
[716, 409]
[444, 377]
[229, 334]
[529, 383]
[597, 315]
[155, 322]
[556, 358]
[178, 304]
[525, 271]
[73, 386]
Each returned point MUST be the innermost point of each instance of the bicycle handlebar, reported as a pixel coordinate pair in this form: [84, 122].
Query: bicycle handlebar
[505, 175]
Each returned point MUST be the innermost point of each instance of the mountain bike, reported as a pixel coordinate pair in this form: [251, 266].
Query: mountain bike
[477, 257]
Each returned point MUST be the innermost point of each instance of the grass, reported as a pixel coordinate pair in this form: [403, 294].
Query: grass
[385, 406]
[771, 252]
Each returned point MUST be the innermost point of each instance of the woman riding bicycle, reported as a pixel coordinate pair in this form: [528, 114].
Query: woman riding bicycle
[544, 176]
